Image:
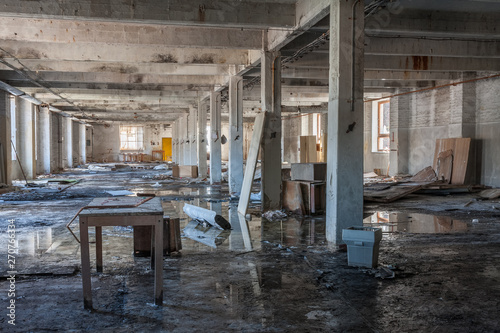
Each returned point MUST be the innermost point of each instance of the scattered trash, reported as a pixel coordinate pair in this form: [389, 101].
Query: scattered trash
[385, 273]
[475, 220]
[156, 184]
[206, 215]
[248, 217]
[273, 215]
[491, 193]
[95, 167]
[223, 139]
[119, 193]
[161, 167]
[207, 235]
[255, 196]
[468, 203]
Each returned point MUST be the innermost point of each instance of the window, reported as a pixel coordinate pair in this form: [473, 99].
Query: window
[383, 143]
[131, 137]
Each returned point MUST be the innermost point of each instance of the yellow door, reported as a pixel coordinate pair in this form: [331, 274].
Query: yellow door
[166, 146]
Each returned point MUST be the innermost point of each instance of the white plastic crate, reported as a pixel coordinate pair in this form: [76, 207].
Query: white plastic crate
[362, 245]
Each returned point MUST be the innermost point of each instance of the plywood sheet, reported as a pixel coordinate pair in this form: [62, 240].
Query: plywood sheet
[445, 166]
[292, 197]
[392, 194]
[425, 175]
[461, 150]
[253, 155]
[308, 152]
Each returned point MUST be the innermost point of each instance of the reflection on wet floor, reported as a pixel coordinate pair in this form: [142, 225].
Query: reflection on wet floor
[415, 223]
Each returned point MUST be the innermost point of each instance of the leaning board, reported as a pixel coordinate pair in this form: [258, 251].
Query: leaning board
[460, 148]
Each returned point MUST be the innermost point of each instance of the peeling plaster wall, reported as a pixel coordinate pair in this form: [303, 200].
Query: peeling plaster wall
[106, 141]
[444, 113]
[488, 130]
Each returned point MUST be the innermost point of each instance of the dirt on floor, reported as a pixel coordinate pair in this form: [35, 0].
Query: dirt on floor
[438, 265]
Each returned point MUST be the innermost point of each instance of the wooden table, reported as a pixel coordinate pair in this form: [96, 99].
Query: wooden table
[112, 213]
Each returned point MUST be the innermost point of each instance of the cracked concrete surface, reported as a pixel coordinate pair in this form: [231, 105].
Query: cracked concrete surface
[265, 276]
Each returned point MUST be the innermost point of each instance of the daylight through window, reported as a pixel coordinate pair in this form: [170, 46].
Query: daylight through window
[131, 137]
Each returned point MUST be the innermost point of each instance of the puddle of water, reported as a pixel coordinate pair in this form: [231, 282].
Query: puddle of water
[415, 223]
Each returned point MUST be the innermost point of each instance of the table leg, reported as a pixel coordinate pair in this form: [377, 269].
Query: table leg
[152, 259]
[98, 248]
[84, 239]
[158, 232]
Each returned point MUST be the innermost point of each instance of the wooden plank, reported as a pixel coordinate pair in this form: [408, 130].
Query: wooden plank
[461, 150]
[292, 197]
[253, 154]
[392, 194]
[308, 152]
[442, 145]
[460, 160]
[445, 166]
[425, 175]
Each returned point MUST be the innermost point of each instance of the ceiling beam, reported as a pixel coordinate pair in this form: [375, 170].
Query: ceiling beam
[208, 13]
[436, 24]
[431, 47]
[78, 77]
[133, 52]
[65, 31]
[307, 14]
[125, 68]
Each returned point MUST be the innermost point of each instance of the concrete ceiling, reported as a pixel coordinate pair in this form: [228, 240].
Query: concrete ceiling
[151, 61]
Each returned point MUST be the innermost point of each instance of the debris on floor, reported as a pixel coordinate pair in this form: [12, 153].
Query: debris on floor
[274, 215]
[206, 215]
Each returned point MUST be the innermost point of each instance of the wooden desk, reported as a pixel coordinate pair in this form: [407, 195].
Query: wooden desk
[149, 213]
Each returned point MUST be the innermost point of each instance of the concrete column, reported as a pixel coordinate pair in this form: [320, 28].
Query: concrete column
[187, 142]
[324, 135]
[215, 137]
[235, 134]
[44, 140]
[174, 142]
[5, 137]
[57, 139]
[26, 137]
[463, 109]
[192, 133]
[76, 142]
[201, 140]
[68, 142]
[82, 141]
[181, 132]
[399, 158]
[271, 139]
[344, 198]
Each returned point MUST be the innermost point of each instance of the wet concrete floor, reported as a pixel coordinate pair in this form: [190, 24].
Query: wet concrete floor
[261, 276]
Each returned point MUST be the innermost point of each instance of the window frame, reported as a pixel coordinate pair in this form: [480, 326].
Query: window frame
[380, 108]
[139, 143]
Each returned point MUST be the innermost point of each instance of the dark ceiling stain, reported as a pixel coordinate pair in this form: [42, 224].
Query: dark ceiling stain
[203, 59]
[201, 13]
[420, 63]
[164, 58]
[116, 69]
[28, 53]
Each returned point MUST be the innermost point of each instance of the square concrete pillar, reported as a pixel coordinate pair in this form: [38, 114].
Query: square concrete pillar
[271, 138]
[44, 140]
[82, 141]
[5, 137]
[344, 201]
[235, 134]
[215, 138]
[201, 140]
[26, 138]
